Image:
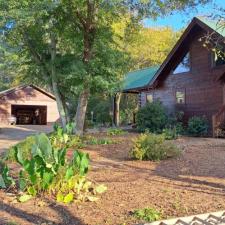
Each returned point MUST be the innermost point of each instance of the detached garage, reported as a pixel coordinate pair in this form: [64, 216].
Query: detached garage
[27, 105]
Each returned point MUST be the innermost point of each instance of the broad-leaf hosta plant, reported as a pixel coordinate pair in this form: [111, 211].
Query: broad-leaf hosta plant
[48, 171]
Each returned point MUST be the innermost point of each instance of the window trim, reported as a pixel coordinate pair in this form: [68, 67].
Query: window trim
[180, 90]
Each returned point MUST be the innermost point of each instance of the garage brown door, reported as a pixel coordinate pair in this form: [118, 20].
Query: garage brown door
[29, 114]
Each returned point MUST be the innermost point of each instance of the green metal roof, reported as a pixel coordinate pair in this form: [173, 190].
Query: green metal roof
[216, 25]
[139, 78]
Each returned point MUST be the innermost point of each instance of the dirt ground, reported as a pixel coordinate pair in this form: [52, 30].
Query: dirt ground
[191, 184]
[10, 135]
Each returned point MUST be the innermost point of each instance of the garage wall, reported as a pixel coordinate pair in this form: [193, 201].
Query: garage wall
[27, 96]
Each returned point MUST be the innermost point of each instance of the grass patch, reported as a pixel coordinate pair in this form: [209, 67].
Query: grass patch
[115, 131]
[90, 140]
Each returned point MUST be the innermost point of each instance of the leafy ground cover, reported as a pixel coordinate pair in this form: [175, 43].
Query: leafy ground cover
[190, 184]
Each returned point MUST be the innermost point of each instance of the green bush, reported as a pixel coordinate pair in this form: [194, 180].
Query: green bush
[151, 117]
[48, 170]
[150, 146]
[197, 126]
[5, 178]
[24, 145]
[59, 139]
[147, 214]
[170, 133]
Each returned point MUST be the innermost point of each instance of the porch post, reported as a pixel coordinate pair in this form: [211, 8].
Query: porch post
[116, 109]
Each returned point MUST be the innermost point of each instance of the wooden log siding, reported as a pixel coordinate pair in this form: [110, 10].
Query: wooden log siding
[204, 94]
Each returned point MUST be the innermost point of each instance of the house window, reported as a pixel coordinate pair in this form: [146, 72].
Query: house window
[218, 58]
[180, 97]
[184, 65]
[149, 98]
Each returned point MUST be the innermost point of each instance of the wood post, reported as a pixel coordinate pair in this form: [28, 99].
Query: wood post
[116, 109]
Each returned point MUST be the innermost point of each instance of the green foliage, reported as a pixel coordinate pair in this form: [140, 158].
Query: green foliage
[5, 178]
[115, 131]
[197, 126]
[70, 128]
[151, 117]
[90, 140]
[147, 214]
[170, 133]
[47, 170]
[24, 145]
[150, 146]
[174, 126]
[60, 138]
[128, 106]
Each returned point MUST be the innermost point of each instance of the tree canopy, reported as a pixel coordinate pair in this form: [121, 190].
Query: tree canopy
[70, 46]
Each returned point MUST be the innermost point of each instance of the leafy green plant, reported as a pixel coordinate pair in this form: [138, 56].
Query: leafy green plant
[24, 145]
[147, 214]
[70, 128]
[90, 140]
[197, 126]
[48, 170]
[150, 146]
[170, 133]
[151, 117]
[115, 131]
[60, 138]
[5, 178]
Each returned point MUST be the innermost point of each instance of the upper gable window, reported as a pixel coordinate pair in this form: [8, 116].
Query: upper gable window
[184, 66]
[218, 59]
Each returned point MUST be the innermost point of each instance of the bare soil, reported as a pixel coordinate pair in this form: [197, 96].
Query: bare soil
[191, 184]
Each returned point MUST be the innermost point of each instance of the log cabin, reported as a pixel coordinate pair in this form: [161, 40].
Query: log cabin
[191, 79]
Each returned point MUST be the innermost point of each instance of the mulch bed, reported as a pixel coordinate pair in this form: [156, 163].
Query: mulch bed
[194, 183]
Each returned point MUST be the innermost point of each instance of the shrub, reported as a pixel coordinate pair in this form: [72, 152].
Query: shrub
[5, 178]
[170, 133]
[24, 145]
[197, 126]
[115, 131]
[58, 138]
[49, 171]
[150, 146]
[147, 214]
[151, 117]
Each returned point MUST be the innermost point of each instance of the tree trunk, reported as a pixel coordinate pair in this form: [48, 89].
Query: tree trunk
[88, 25]
[81, 112]
[116, 113]
[54, 84]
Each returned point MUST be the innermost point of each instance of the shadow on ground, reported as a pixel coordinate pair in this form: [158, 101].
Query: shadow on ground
[64, 216]
[200, 168]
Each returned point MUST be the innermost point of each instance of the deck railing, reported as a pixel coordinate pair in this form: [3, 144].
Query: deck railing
[217, 120]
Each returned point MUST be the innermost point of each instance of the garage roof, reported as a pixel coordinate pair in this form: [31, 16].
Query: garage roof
[8, 91]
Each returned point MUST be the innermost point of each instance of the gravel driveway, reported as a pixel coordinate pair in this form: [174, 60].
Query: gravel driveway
[10, 135]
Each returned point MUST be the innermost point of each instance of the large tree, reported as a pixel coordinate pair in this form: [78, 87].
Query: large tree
[69, 45]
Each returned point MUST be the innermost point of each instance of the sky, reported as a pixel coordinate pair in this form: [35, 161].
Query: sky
[180, 19]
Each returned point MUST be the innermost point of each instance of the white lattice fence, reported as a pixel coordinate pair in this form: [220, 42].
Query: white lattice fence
[215, 218]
